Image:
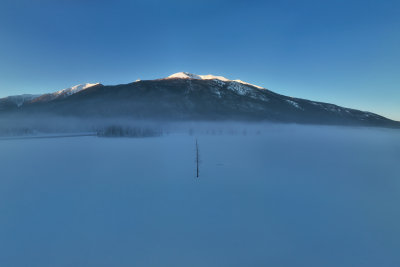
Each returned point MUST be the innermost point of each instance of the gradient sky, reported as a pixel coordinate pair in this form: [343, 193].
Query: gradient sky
[342, 52]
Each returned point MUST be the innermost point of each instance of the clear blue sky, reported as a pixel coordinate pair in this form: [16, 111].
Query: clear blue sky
[343, 52]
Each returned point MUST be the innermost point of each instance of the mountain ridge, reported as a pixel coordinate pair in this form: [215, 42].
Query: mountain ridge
[185, 96]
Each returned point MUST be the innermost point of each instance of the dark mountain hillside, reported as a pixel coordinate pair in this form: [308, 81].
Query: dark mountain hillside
[192, 98]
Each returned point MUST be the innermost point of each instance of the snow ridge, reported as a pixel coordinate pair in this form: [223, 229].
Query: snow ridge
[74, 89]
[19, 100]
[187, 75]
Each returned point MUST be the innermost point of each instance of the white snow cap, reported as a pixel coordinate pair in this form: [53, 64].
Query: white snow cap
[186, 75]
[75, 89]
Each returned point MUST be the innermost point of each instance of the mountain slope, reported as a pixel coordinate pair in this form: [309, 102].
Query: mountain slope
[15, 101]
[64, 92]
[185, 96]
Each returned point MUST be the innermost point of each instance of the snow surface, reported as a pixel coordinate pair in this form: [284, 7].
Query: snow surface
[19, 100]
[266, 196]
[186, 75]
[75, 89]
[239, 88]
[294, 104]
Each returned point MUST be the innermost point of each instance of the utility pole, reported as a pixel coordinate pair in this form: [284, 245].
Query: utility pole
[197, 159]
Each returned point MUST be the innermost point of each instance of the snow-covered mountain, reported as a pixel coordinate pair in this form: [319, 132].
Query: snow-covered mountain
[65, 92]
[15, 101]
[187, 75]
[74, 89]
[20, 100]
[186, 96]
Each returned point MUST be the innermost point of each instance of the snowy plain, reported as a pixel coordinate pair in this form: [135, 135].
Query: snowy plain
[282, 195]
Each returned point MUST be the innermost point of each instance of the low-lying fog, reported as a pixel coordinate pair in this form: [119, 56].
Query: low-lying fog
[267, 195]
